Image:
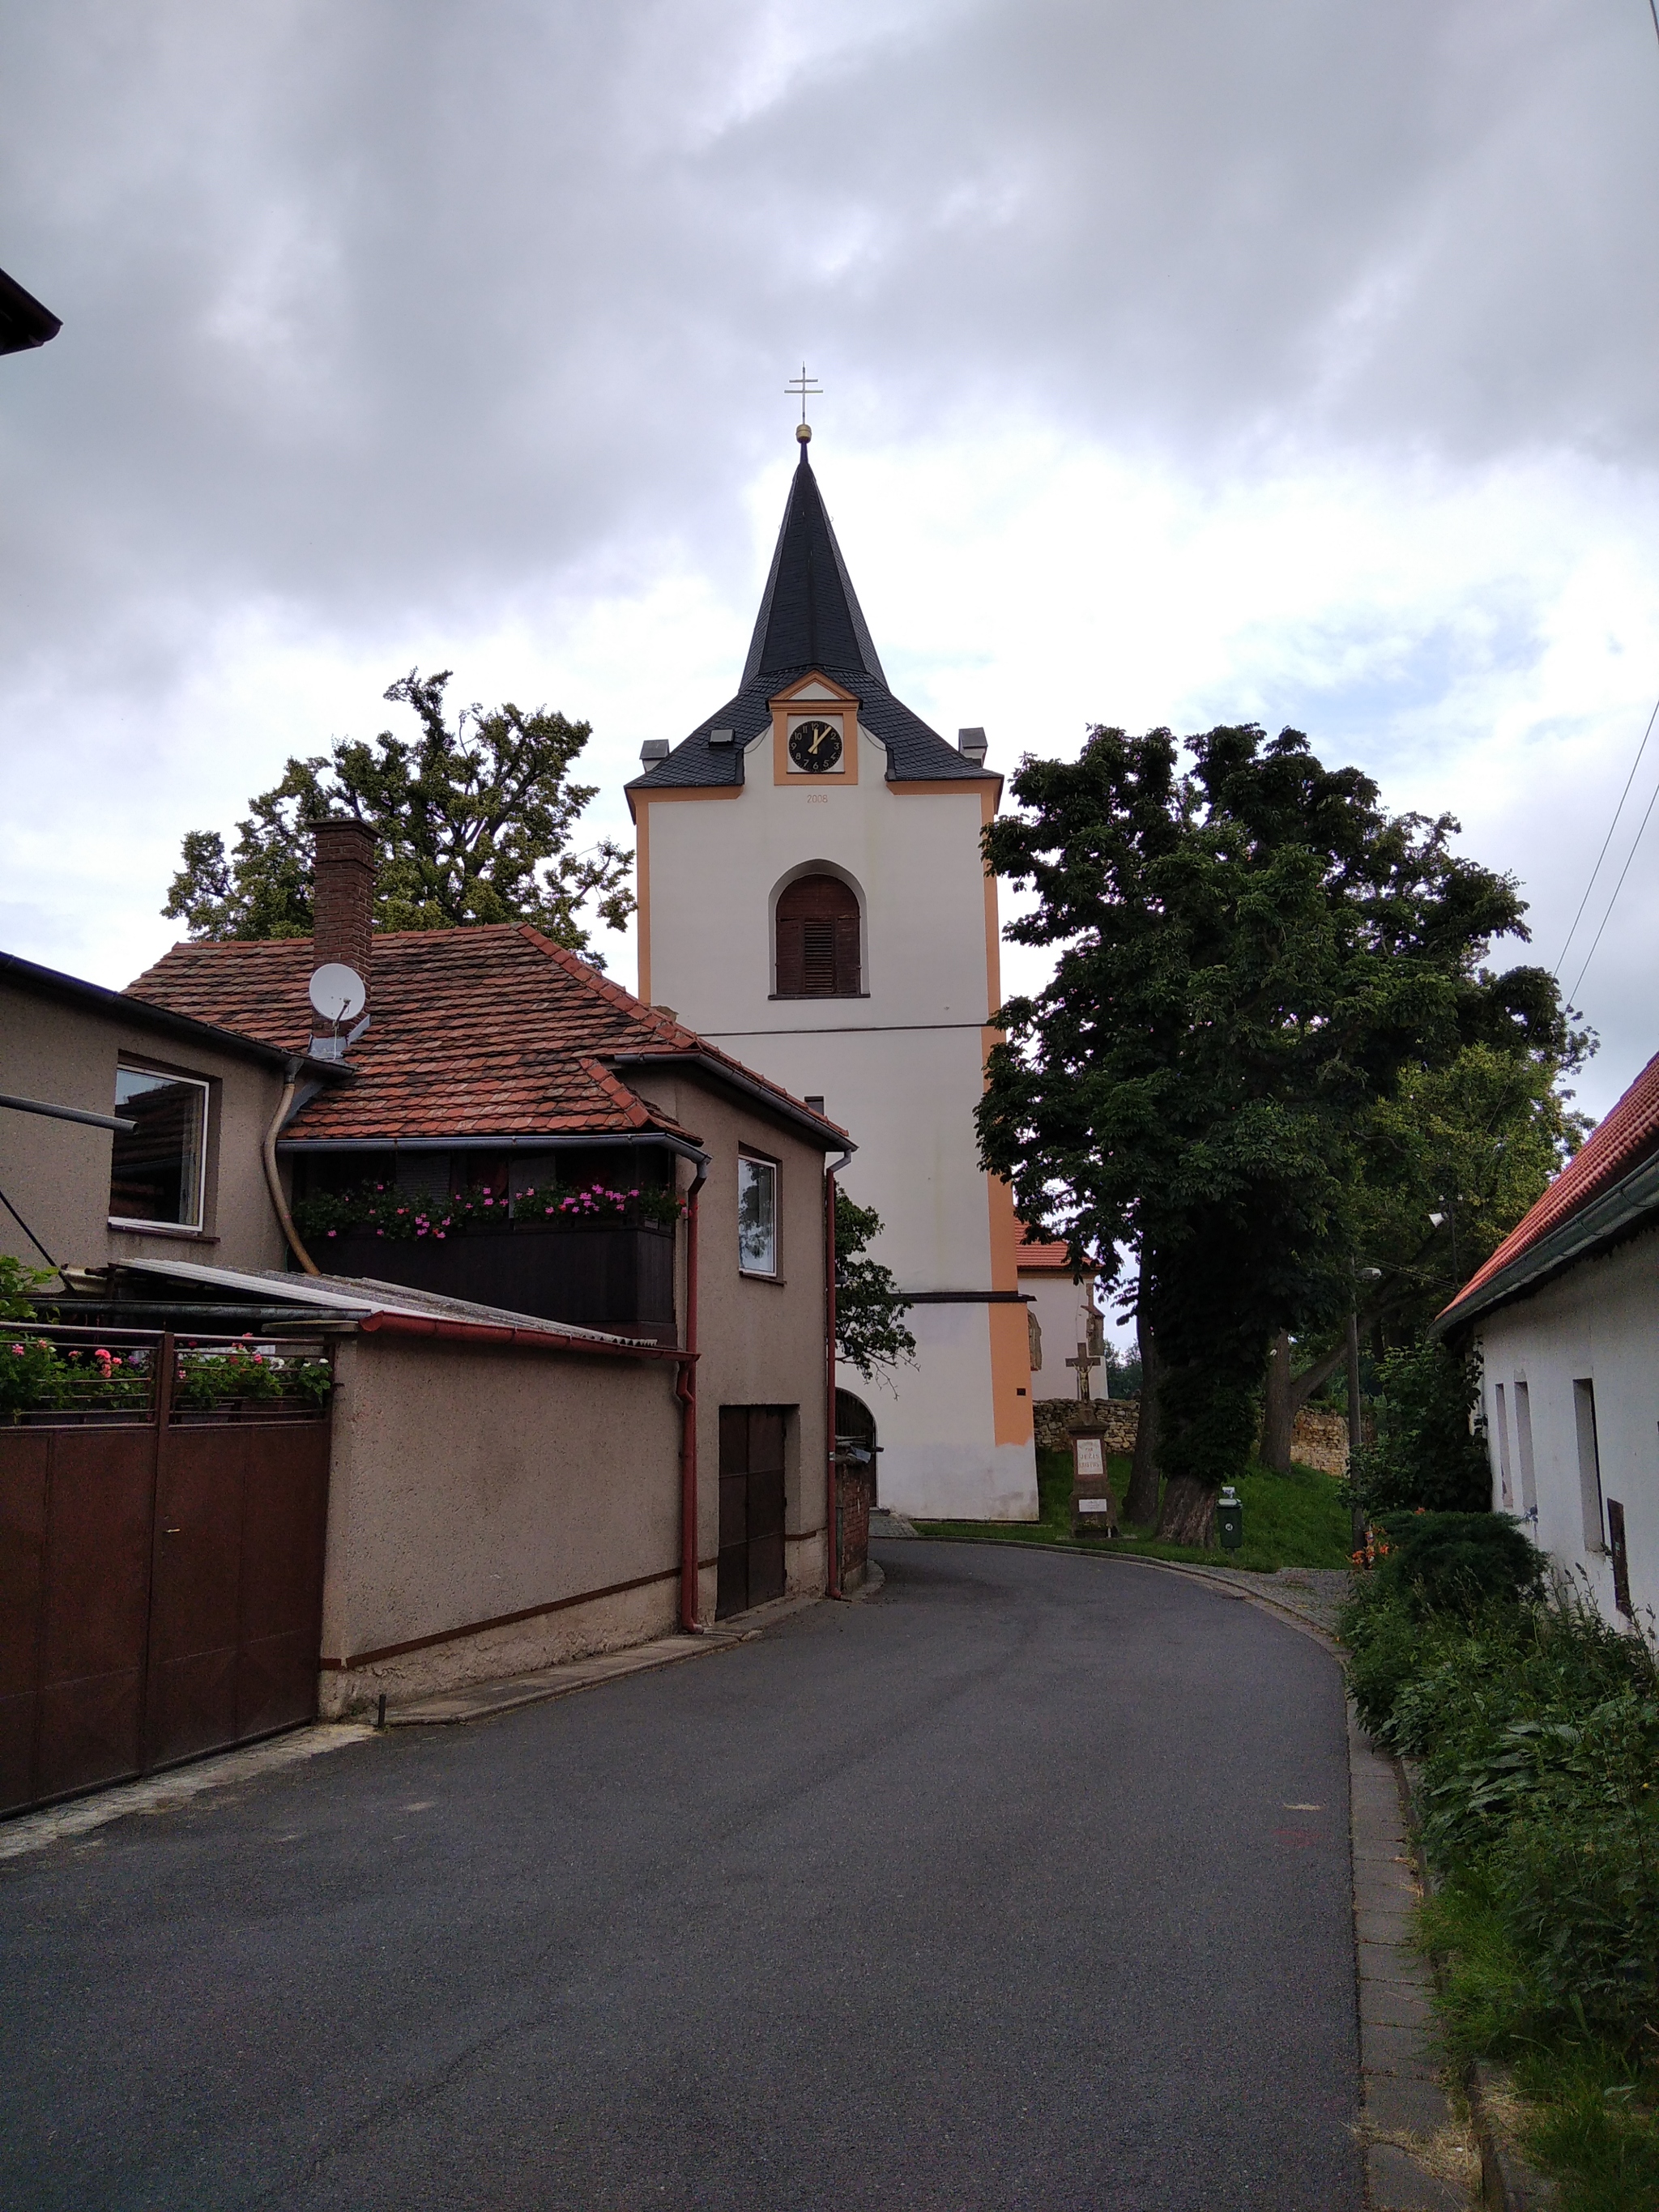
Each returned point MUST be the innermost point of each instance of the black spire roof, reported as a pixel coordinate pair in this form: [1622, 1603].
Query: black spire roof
[809, 618]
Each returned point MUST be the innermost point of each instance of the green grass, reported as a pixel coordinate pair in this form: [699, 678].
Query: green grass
[1294, 1520]
[1588, 2116]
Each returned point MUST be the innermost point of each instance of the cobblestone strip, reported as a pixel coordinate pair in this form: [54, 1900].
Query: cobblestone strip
[1420, 2156]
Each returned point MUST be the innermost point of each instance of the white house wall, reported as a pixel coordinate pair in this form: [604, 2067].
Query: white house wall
[1061, 1308]
[1597, 1323]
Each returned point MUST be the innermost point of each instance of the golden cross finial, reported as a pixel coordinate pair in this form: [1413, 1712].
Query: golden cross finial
[803, 384]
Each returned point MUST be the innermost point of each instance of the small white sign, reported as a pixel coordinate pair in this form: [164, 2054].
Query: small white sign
[1089, 1460]
[1094, 1505]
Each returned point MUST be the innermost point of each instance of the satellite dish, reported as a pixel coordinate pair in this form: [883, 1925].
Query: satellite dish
[338, 993]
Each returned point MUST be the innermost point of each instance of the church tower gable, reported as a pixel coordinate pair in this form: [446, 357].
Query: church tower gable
[810, 629]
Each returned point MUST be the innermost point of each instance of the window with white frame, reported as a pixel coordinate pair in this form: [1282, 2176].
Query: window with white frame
[157, 1168]
[757, 1215]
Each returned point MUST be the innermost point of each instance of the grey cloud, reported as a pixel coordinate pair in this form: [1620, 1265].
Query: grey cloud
[383, 314]
[397, 302]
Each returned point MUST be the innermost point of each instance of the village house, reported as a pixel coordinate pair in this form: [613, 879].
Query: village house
[1564, 1317]
[569, 1263]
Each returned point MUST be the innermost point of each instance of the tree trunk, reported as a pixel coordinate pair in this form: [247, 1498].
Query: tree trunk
[1140, 1506]
[1188, 1512]
[1278, 1408]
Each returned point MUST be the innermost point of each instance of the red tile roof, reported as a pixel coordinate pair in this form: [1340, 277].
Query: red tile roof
[494, 1030]
[1628, 1136]
[1038, 1258]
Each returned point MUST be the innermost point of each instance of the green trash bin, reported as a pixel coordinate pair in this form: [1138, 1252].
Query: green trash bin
[1229, 1519]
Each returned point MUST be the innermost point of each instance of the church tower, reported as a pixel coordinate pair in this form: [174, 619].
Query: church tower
[812, 898]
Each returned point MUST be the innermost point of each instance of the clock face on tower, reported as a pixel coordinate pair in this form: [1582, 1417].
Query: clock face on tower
[815, 746]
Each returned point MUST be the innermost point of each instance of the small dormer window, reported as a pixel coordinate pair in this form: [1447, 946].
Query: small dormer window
[157, 1169]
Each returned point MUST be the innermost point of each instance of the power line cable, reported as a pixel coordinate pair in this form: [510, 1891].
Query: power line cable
[1623, 796]
[1617, 888]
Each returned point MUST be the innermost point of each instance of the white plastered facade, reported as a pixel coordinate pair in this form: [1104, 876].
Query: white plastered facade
[1061, 1309]
[901, 1067]
[1596, 1325]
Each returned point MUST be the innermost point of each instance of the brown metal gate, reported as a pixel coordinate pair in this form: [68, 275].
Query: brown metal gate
[160, 1580]
[752, 1562]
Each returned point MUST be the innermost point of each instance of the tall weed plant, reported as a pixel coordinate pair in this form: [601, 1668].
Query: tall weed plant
[1537, 1728]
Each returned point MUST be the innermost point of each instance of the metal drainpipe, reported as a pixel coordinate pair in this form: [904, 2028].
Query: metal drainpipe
[831, 1485]
[274, 1180]
[685, 1389]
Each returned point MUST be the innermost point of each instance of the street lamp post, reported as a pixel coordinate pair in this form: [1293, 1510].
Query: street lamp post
[1356, 1428]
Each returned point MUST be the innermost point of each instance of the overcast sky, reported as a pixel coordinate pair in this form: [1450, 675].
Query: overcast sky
[1181, 363]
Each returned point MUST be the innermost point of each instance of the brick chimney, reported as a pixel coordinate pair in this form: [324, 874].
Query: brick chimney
[342, 897]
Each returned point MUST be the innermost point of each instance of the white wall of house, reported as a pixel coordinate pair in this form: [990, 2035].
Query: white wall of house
[1571, 1392]
[1062, 1309]
[901, 1066]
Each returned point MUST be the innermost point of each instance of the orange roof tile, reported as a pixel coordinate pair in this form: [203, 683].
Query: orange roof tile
[1038, 1257]
[1628, 1136]
[493, 1030]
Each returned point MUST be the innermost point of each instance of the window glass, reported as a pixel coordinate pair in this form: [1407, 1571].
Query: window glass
[757, 1217]
[155, 1168]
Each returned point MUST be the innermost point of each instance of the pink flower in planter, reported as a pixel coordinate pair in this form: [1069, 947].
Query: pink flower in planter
[333, 1233]
[18, 1349]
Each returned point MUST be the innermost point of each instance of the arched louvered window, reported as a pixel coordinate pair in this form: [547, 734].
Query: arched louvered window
[818, 940]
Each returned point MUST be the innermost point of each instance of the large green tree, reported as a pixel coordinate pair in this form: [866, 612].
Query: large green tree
[1446, 1165]
[1250, 950]
[473, 824]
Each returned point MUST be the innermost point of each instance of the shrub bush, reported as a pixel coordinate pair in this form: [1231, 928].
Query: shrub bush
[1456, 1562]
[1426, 1453]
[1537, 1725]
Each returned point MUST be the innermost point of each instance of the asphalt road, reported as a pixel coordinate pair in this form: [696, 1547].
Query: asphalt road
[1024, 1884]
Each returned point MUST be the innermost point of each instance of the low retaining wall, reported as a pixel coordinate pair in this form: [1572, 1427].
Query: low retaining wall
[1319, 1439]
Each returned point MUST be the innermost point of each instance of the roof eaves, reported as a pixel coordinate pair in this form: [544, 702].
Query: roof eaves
[721, 1070]
[1623, 1211]
[126, 1006]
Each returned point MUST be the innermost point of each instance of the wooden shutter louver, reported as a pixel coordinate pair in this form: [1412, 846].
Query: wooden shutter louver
[818, 940]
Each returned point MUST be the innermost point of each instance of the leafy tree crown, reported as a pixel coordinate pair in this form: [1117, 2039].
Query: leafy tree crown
[472, 824]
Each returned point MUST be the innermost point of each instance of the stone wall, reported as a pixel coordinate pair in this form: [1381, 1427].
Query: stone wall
[1054, 1418]
[1320, 1439]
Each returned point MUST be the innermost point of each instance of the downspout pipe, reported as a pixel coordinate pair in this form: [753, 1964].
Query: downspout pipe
[685, 1389]
[831, 1484]
[274, 1181]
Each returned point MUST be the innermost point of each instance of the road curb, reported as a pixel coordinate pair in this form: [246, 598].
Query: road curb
[1419, 2157]
[176, 1786]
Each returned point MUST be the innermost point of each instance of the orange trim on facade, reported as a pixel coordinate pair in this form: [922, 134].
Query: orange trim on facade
[1011, 1340]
